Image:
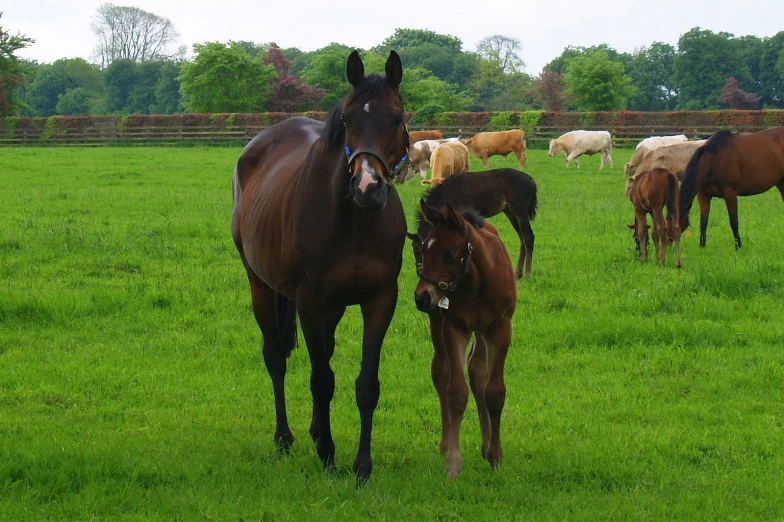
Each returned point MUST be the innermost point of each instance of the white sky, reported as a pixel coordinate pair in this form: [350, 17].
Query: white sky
[61, 28]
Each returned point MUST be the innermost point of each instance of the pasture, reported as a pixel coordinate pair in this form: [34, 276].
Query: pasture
[132, 384]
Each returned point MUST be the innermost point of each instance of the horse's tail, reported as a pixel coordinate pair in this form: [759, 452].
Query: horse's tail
[689, 185]
[287, 323]
[534, 201]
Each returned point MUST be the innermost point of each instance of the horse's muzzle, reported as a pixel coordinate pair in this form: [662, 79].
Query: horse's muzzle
[369, 194]
[425, 302]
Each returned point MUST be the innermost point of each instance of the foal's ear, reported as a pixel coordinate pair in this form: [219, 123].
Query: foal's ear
[394, 70]
[452, 217]
[429, 213]
[355, 70]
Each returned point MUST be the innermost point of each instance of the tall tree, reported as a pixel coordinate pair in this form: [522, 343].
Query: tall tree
[597, 83]
[407, 38]
[704, 62]
[651, 72]
[168, 99]
[503, 51]
[133, 34]
[119, 81]
[551, 91]
[289, 92]
[12, 71]
[771, 79]
[224, 78]
[420, 88]
[327, 69]
[737, 98]
[52, 81]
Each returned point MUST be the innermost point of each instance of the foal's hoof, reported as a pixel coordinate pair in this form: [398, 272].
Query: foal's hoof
[283, 441]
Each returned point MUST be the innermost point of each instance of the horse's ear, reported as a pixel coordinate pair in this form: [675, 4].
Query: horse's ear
[429, 213]
[394, 70]
[413, 237]
[452, 217]
[355, 70]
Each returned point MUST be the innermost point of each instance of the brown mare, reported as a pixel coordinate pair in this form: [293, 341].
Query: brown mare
[651, 193]
[318, 223]
[467, 286]
[489, 192]
[731, 165]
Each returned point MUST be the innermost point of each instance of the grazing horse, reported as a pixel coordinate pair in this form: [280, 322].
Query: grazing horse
[651, 192]
[466, 286]
[319, 227]
[489, 192]
[731, 165]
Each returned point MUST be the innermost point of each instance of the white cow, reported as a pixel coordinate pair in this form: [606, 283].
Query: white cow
[646, 145]
[576, 143]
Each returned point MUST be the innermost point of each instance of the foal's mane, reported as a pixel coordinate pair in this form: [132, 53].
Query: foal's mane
[334, 134]
[470, 214]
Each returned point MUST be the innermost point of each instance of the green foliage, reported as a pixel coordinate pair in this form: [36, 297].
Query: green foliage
[48, 132]
[529, 119]
[425, 114]
[597, 83]
[587, 119]
[224, 78]
[501, 120]
[651, 70]
[419, 88]
[704, 62]
[326, 68]
[119, 81]
[12, 71]
[404, 39]
[76, 102]
[168, 99]
[771, 71]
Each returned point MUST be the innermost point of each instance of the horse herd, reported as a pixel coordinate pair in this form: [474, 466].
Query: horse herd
[319, 226]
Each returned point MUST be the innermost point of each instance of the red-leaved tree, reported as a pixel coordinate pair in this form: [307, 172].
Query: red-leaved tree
[550, 88]
[289, 92]
[737, 98]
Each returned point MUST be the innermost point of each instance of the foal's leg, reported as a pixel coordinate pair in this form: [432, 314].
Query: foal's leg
[275, 353]
[731, 199]
[659, 234]
[439, 372]
[642, 234]
[455, 340]
[478, 375]
[497, 340]
[521, 259]
[376, 316]
[704, 202]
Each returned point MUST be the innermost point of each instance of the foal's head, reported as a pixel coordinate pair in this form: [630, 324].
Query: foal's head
[375, 135]
[445, 252]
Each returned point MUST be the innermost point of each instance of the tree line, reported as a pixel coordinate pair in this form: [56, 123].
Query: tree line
[134, 71]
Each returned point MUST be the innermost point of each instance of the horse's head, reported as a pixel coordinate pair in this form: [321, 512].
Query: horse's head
[445, 252]
[376, 138]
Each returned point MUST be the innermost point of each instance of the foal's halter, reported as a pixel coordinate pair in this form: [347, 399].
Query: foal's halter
[452, 285]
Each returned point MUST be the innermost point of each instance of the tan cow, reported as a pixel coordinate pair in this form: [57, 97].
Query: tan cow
[649, 144]
[486, 144]
[415, 136]
[576, 143]
[674, 158]
[447, 159]
[419, 155]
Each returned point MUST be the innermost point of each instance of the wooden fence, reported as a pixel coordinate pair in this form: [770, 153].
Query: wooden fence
[99, 135]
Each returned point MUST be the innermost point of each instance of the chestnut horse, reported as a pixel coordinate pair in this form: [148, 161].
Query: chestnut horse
[489, 192]
[651, 192]
[731, 165]
[467, 286]
[318, 223]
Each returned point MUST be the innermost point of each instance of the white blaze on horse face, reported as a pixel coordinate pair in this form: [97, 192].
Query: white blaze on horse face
[430, 243]
[366, 176]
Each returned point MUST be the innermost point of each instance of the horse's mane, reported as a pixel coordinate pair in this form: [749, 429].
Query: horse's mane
[688, 184]
[334, 134]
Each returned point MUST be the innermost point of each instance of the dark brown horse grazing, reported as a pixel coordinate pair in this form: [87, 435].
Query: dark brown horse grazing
[318, 223]
[731, 165]
[651, 192]
[489, 192]
[467, 286]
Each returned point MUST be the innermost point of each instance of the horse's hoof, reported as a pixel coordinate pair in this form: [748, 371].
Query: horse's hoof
[284, 441]
[362, 468]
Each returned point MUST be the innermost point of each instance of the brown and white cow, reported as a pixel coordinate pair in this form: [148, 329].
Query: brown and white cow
[447, 159]
[646, 145]
[415, 136]
[419, 155]
[673, 157]
[576, 143]
[486, 144]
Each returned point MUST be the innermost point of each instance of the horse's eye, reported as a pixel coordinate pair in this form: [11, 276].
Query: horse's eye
[449, 255]
[397, 121]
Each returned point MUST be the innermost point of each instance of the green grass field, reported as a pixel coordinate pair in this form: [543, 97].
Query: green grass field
[132, 385]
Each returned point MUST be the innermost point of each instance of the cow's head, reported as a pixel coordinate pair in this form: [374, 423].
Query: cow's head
[555, 147]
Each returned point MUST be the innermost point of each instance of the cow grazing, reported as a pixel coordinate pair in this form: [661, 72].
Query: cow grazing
[576, 143]
[646, 145]
[447, 159]
[419, 155]
[486, 144]
[415, 136]
[674, 158]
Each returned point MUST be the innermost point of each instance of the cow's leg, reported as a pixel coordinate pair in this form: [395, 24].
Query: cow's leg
[455, 340]
[497, 341]
[478, 375]
[731, 199]
[601, 161]
[486, 162]
[609, 158]
[704, 201]
[520, 158]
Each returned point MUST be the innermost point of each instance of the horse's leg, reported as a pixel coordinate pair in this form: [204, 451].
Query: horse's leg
[659, 234]
[478, 375]
[455, 340]
[497, 341]
[704, 202]
[376, 316]
[677, 236]
[313, 319]
[275, 353]
[439, 373]
[731, 199]
[331, 321]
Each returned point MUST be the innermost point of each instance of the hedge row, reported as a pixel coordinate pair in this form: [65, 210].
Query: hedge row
[470, 121]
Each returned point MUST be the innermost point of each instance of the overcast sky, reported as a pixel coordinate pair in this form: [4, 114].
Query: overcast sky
[61, 28]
